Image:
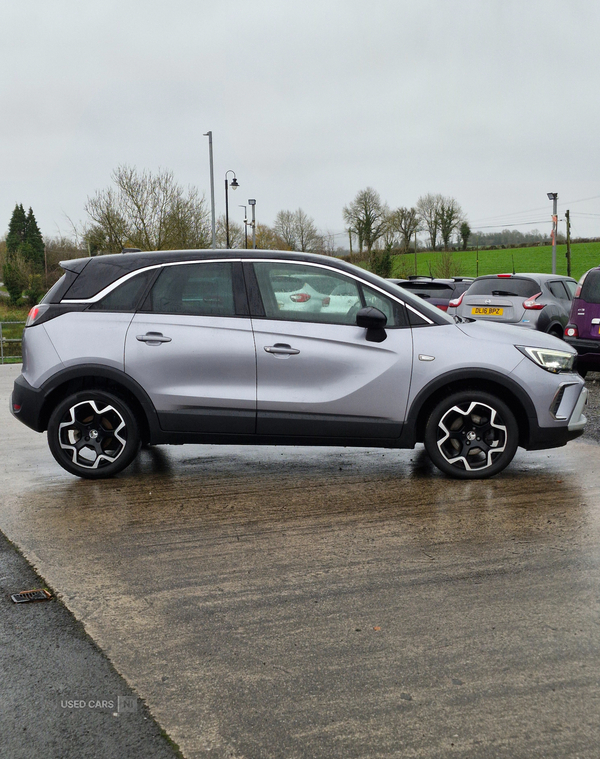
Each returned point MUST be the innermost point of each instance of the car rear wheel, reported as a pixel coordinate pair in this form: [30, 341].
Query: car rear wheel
[471, 435]
[93, 434]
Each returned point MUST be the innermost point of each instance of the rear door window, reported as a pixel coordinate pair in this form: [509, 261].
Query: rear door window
[198, 289]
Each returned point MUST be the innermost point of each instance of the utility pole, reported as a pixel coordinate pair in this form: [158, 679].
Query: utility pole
[245, 225]
[252, 202]
[350, 239]
[212, 189]
[568, 253]
[553, 196]
[415, 253]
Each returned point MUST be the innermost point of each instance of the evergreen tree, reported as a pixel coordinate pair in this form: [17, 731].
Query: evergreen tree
[33, 250]
[24, 263]
[17, 230]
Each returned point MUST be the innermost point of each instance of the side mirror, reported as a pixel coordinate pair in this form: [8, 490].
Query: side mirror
[374, 321]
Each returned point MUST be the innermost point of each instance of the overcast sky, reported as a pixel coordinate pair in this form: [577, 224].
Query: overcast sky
[494, 102]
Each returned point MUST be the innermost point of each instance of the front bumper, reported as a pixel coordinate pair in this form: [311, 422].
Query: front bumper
[555, 437]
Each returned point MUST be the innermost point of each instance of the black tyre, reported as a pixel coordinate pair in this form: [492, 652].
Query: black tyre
[471, 435]
[93, 434]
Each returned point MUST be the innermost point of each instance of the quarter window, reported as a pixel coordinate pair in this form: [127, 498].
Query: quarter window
[126, 296]
[558, 290]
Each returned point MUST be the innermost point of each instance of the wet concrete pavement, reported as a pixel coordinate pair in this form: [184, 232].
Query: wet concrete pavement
[330, 602]
[61, 697]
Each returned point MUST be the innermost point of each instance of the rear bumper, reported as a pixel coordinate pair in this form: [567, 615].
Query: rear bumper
[26, 404]
[583, 346]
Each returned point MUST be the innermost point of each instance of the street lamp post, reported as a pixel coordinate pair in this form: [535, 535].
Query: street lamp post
[234, 186]
[212, 190]
[252, 202]
[553, 196]
[245, 225]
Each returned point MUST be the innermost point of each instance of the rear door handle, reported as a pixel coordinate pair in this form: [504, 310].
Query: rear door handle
[281, 349]
[153, 338]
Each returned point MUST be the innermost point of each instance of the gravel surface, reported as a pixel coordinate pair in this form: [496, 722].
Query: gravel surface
[592, 430]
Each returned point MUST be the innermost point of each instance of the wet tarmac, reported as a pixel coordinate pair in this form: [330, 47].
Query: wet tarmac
[330, 602]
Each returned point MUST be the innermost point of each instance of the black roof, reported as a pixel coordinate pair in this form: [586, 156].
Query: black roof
[101, 271]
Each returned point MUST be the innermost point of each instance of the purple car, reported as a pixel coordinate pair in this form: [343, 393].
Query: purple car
[583, 329]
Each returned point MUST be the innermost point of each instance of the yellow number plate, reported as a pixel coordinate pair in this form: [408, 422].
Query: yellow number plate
[477, 311]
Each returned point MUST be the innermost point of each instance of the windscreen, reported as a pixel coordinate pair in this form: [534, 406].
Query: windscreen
[590, 292]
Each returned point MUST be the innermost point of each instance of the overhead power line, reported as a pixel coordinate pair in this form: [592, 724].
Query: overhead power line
[519, 224]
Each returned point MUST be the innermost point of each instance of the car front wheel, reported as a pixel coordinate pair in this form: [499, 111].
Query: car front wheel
[93, 434]
[471, 435]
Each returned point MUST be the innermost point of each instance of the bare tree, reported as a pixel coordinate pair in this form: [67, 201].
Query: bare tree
[428, 210]
[328, 243]
[405, 222]
[298, 230]
[61, 248]
[236, 233]
[450, 216]
[285, 227]
[366, 217]
[268, 239]
[147, 211]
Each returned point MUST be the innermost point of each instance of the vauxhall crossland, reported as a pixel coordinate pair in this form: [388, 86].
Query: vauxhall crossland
[267, 347]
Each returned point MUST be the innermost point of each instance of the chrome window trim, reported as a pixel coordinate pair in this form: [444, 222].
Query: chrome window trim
[109, 288]
[339, 271]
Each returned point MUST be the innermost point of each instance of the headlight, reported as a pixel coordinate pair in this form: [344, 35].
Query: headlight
[549, 359]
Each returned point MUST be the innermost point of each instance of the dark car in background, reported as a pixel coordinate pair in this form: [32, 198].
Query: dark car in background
[437, 292]
[583, 329]
[537, 301]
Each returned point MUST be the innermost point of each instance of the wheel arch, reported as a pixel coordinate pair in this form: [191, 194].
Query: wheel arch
[100, 378]
[552, 321]
[486, 381]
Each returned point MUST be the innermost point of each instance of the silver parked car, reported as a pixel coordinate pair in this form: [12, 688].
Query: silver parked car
[208, 347]
[537, 301]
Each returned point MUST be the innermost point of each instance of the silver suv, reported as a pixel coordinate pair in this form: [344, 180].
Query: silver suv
[264, 347]
[537, 301]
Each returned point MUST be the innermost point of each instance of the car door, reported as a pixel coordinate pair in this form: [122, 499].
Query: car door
[317, 373]
[191, 347]
[562, 290]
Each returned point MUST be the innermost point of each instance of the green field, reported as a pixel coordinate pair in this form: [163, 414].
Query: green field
[583, 257]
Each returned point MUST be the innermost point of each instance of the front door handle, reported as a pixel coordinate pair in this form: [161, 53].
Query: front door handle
[153, 338]
[281, 349]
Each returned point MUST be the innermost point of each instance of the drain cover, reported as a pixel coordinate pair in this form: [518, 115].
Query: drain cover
[31, 595]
